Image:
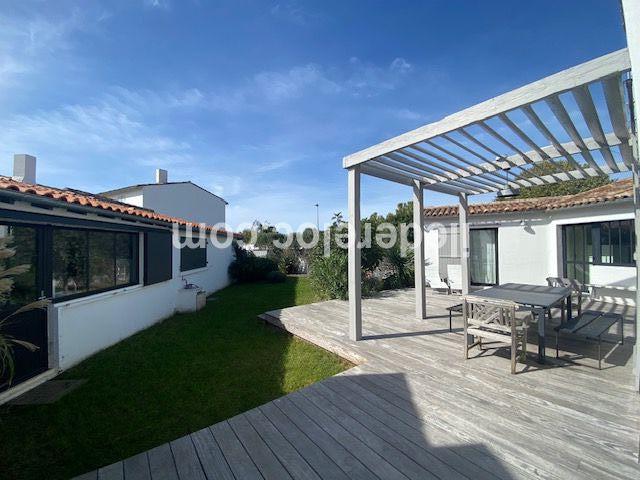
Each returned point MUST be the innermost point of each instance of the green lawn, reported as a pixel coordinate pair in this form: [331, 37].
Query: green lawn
[179, 376]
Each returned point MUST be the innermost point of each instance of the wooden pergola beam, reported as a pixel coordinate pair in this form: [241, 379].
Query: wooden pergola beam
[631, 12]
[616, 62]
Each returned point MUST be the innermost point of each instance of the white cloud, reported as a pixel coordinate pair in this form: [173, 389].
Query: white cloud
[159, 4]
[292, 12]
[408, 114]
[273, 165]
[400, 65]
[358, 79]
[276, 86]
[103, 129]
[28, 42]
[368, 80]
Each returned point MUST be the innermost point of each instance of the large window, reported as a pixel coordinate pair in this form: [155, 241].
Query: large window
[602, 243]
[20, 251]
[483, 265]
[614, 242]
[193, 257]
[92, 261]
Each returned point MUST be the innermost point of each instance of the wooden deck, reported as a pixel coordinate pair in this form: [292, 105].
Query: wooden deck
[413, 408]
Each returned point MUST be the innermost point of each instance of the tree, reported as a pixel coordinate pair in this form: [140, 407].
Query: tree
[569, 187]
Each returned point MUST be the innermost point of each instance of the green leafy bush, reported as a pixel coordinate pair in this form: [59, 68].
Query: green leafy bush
[371, 285]
[276, 277]
[329, 275]
[289, 261]
[249, 268]
[401, 268]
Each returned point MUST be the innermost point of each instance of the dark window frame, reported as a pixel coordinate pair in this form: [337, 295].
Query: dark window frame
[593, 229]
[597, 259]
[192, 258]
[135, 263]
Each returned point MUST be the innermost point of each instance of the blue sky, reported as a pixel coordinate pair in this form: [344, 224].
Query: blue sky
[259, 101]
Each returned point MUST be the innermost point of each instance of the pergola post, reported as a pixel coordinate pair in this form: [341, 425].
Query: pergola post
[355, 268]
[418, 250]
[463, 214]
[631, 11]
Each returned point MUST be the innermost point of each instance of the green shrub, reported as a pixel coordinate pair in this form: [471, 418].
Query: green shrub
[249, 268]
[329, 275]
[276, 277]
[401, 268]
[371, 285]
[289, 261]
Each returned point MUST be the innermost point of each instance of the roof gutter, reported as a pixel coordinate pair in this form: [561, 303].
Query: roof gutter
[37, 200]
[47, 202]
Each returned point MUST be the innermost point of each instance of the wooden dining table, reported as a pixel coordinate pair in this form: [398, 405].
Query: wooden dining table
[538, 297]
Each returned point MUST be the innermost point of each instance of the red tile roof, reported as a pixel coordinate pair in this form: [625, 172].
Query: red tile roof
[606, 193]
[74, 197]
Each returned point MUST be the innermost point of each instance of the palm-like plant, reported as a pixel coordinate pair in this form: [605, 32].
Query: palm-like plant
[401, 265]
[9, 342]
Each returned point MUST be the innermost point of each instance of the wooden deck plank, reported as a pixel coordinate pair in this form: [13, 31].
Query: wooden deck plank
[414, 408]
[414, 442]
[115, 471]
[551, 453]
[268, 464]
[161, 464]
[465, 429]
[463, 455]
[387, 445]
[583, 433]
[313, 455]
[286, 453]
[239, 461]
[137, 467]
[368, 448]
[344, 458]
[211, 458]
[602, 432]
[87, 476]
[186, 459]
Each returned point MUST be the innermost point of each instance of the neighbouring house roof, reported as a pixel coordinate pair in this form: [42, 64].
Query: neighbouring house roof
[98, 202]
[130, 188]
[619, 190]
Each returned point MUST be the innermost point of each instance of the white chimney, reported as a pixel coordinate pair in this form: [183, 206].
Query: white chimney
[24, 168]
[161, 175]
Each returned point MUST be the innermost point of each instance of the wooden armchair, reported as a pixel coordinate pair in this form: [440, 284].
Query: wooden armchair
[577, 289]
[494, 320]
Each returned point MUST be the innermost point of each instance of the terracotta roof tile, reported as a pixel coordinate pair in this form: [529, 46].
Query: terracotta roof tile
[606, 193]
[85, 199]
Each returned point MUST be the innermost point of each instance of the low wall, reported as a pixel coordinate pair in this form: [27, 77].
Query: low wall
[89, 324]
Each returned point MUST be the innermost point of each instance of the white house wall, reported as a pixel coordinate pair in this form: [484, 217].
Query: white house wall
[185, 200]
[530, 248]
[90, 324]
[132, 198]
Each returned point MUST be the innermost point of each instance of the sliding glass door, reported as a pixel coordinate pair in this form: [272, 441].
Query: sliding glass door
[22, 284]
[484, 256]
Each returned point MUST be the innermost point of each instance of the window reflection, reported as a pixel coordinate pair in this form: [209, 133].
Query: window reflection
[91, 261]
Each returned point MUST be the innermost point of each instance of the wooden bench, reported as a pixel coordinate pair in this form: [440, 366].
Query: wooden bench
[457, 308]
[591, 325]
[454, 308]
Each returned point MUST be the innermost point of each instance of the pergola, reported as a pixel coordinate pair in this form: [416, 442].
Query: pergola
[582, 117]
